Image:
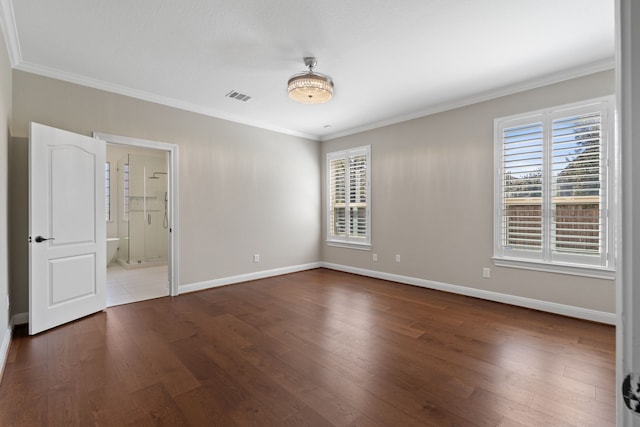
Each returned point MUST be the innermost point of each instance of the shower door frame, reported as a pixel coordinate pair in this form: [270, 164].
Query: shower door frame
[172, 183]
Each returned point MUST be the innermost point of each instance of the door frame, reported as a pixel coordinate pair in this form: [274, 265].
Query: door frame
[172, 151]
[628, 285]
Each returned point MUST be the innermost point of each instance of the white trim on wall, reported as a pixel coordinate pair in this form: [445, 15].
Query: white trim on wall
[550, 307]
[8, 25]
[559, 77]
[7, 21]
[4, 350]
[208, 284]
[81, 80]
[200, 109]
[19, 319]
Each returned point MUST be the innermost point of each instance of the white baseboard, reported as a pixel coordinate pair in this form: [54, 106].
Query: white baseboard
[199, 286]
[4, 350]
[20, 319]
[551, 307]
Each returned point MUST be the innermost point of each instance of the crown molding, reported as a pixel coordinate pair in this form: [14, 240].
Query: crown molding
[595, 67]
[592, 68]
[8, 26]
[10, 32]
[150, 97]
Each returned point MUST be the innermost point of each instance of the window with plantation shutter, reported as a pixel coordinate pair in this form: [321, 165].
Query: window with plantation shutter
[552, 190]
[348, 216]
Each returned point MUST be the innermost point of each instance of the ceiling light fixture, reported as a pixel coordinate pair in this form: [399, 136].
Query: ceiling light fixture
[310, 87]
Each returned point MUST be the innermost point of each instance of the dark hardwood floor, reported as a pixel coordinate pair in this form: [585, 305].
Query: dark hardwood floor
[317, 348]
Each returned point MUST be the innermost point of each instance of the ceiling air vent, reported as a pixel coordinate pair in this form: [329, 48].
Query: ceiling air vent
[239, 96]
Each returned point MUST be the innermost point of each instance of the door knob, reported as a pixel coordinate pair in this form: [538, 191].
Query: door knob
[42, 239]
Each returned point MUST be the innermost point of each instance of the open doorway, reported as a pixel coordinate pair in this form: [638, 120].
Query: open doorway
[139, 210]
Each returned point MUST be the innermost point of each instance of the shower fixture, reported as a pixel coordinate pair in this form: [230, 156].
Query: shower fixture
[165, 223]
[157, 173]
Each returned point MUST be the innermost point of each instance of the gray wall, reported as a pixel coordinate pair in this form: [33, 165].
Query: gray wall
[5, 134]
[243, 190]
[432, 200]
[19, 225]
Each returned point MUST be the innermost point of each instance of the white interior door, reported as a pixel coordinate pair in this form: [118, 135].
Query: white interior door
[67, 259]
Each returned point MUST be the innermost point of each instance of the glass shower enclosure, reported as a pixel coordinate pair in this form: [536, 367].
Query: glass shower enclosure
[143, 216]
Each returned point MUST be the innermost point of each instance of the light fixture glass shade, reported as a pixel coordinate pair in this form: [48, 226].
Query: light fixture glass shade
[310, 88]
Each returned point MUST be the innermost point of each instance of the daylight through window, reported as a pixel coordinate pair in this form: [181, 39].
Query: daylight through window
[553, 186]
[348, 215]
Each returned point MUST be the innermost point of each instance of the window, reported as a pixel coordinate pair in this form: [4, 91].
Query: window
[552, 189]
[107, 191]
[349, 201]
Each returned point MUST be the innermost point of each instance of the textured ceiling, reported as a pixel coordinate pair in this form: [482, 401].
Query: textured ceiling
[390, 60]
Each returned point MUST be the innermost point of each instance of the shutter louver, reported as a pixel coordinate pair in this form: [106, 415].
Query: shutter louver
[358, 196]
[552, 192]
[522, 187]
[348, 197]
[577, 218]
[337, 201]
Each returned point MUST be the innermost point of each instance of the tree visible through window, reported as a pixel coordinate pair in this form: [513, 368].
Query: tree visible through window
[553, 186]
[348, 213]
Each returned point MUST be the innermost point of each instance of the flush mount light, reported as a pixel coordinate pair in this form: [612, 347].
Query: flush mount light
[310, 87]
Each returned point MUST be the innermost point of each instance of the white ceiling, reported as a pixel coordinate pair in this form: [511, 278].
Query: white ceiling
[390, 60]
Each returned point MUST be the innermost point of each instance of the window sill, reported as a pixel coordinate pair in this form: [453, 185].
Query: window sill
[349, 245]
[572, 269]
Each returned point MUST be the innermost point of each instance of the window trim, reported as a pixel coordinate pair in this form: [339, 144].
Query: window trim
[568, 265]
[348, 241]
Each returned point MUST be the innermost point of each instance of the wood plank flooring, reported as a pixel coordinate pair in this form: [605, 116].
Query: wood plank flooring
[317, 348]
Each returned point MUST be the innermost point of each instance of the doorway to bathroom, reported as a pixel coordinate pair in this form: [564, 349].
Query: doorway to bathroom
[140, 213]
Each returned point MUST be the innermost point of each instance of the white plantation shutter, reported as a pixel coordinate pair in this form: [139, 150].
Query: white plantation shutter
[552, 185]
[358, 224]
[522, 157]
[577, 220]
[337, 197]
[348, 196]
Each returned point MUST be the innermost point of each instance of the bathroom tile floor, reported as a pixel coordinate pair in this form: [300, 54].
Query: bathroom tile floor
[136, 284]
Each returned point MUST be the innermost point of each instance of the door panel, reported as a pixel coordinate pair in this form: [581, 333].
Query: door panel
[72, 223]
[67, 277]
[65, 285]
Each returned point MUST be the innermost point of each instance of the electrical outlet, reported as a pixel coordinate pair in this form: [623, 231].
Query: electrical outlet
[375, 257]
[397, 258]
[256, 257]
[486, 272]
